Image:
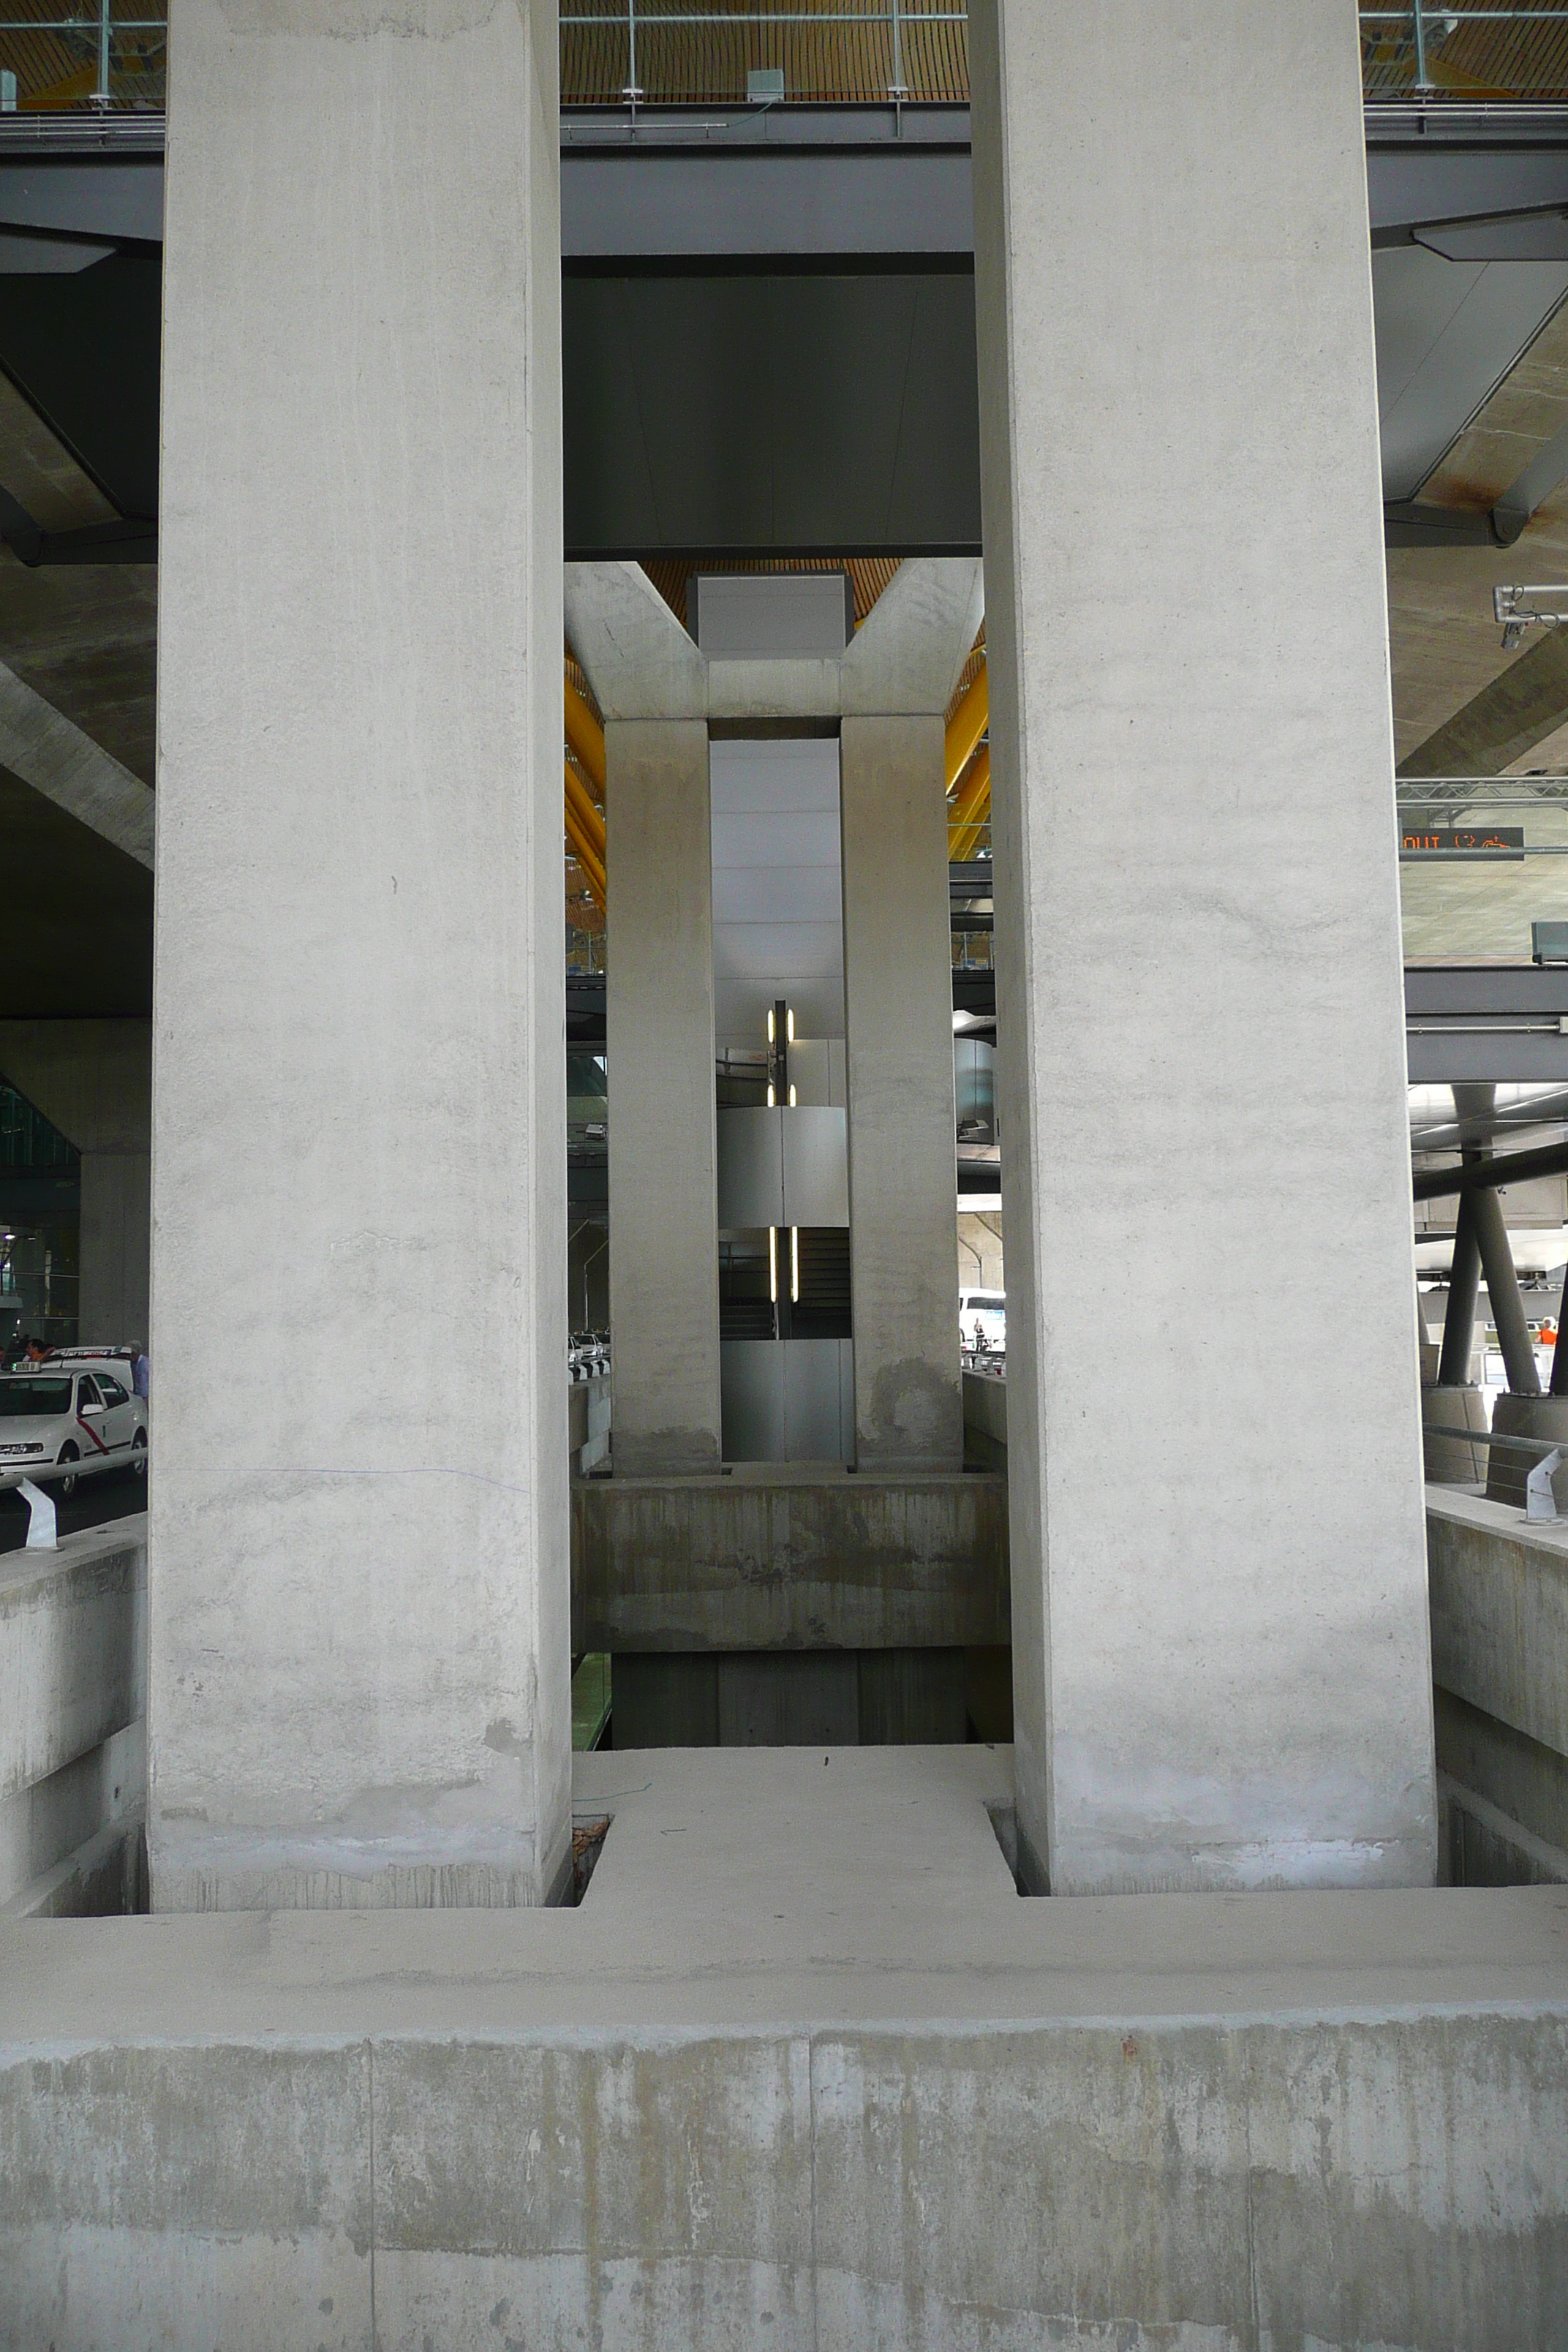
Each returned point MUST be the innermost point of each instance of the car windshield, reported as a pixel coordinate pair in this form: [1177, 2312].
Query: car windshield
[29, 1396]
[991, 1302]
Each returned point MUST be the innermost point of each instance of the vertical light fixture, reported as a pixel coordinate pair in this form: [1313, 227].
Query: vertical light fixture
[793, 1261]
[773, 1264]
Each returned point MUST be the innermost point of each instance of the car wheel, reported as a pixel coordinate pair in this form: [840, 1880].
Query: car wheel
[139, 1454]
[67, 1486]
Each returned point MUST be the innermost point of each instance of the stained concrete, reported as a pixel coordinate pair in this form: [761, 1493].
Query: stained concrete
[358, 1571]
[804, 2070]
[1220, 1658]
[789, 1555]
[1500, 1612]
[73, 1770]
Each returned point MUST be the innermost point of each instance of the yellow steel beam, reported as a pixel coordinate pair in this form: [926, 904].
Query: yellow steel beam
[587, 855]
[966, 728]
[587, 737]
[969, 811]
[588, 816]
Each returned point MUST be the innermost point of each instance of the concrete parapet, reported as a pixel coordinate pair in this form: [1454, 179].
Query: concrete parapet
[72, 1747]
[1544, 1417]
[802, 2071]
[776, 1556]
[1500, 1661]
[1453, 1461]
[985, 1418]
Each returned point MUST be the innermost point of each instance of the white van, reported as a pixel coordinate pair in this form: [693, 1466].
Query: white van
[982, 1322]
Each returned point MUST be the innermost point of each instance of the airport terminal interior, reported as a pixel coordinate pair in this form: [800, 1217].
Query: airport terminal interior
[783, 1176]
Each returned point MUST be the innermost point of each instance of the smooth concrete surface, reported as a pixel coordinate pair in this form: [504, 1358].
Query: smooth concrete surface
[1220, 1657]
[358, 1566]
[802, 2071]
[93, 1080]
[897, 1003]
[72, 1734]
[664, 1261]
[777, 1555]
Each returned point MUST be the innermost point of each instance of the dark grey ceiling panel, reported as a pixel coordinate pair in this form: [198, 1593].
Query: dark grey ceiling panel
[771, 412]
[118, 197]
[1447, 332]
[628, 202]
[1419, 181]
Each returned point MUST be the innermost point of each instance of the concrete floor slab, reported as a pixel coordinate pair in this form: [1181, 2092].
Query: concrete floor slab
[802, 2071]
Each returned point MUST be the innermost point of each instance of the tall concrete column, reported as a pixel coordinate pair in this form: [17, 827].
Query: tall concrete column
[1221, 1663]
[898, 991]
[358, 1582]
[664, 1261]
[93, 1080]
[651, 685]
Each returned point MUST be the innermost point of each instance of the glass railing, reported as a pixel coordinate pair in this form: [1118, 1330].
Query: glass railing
[1481, 861]
[1476, 55]
[109, 57]
[106, 57]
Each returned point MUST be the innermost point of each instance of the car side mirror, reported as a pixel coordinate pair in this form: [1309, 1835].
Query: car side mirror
[92, 1408]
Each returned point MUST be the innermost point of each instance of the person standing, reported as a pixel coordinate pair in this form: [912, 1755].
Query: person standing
[140, 1371]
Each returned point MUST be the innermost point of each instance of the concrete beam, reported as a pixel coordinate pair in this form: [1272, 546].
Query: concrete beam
[1516, 710]
[777, 1556]
[48, 752]
[907, 656]
[638, 659]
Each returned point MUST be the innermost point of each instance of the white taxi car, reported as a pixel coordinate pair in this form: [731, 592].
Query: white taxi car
[982, 1322]
[51, 1414]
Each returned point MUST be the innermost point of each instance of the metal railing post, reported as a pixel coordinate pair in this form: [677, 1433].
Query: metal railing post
[631, 92]
[101, 93]
[1418, 32]
[897, 90]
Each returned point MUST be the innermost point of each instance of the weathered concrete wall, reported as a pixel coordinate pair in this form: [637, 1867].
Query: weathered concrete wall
[664, 1163]
[898, 1000]
[1499, 1659]
[776, 1557]
[804, 2072]
[360, 1680]
[1182, 641]
[73, 1772]
[93, 1080]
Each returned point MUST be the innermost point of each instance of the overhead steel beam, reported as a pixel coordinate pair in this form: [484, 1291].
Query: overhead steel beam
[1484, 1175]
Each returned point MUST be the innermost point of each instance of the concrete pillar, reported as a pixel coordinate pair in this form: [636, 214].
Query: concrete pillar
[1221, 1656]
[897, 996]
[358, 1545]
[664, 1261]
[93, 1080]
